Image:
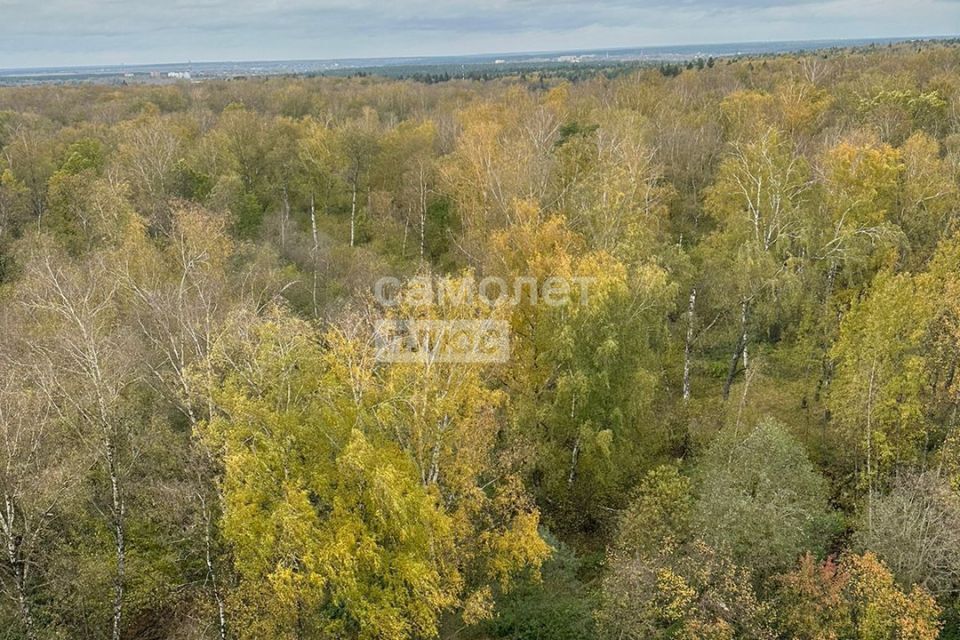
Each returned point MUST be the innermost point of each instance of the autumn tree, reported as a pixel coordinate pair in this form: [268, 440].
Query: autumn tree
[878, 393]
[74, 309]
[367, 516]
[38, 477]
[758, 202]
[855, 598]
[582, 381]
[358, 142]
[694, 595]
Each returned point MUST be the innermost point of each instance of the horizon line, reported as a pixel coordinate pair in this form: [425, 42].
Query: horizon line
[869, 39]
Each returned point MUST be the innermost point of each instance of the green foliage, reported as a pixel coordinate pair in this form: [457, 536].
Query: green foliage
[878, 396]
[558, 606]
[83, 155]
[190, 184]
[576, 395]
[760, 499]
[658, 517]
[902, 110]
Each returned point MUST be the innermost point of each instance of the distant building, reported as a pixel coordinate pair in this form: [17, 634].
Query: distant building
[179, 75]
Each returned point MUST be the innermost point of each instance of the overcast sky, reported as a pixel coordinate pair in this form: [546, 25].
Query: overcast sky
[78, 32]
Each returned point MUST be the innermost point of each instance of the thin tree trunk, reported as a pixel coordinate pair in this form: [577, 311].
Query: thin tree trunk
[18, 567]
[212, 573]
[284, 220]
[353, 214]
[741, 350]
[873, 372]
[316, 246]
[117, 512]
[313, 224]
[423, 212]
[825, 356]
[743, 398]
[688, 344]
[574, 457]
[423, 226]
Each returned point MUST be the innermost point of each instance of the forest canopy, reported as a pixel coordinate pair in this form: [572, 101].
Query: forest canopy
[740, 420]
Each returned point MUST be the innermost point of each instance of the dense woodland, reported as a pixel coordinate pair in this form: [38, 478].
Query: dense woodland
[748, 429]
